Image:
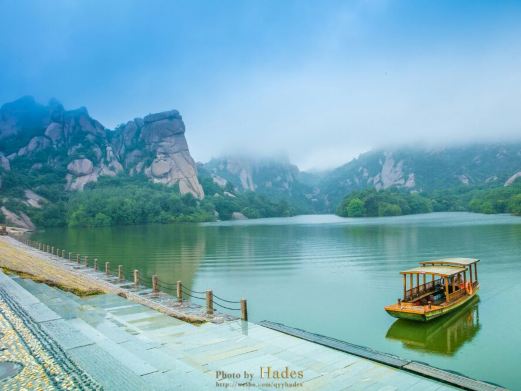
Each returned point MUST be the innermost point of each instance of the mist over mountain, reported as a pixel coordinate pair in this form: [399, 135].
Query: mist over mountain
[48, 152]
[411, 169]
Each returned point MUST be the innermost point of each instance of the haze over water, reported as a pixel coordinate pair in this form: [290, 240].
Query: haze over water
[333, 276]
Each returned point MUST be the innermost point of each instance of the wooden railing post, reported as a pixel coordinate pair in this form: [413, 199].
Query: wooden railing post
[52, 250]
[95, 264]
[244, 310]
[209, 302]
[70, 255]
[78, 258]
[179, 291]
[120, 272]
[136, 277]
[57, 252]
[86, 260]
[155, 287]
[107, 268]
[63, 254]
[39, 246]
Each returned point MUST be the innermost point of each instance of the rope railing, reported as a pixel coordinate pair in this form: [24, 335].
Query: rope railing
[167, 283]
[228, 308]
[193, 296]
[181, 290]
[192, 291]
[162, 285]
[227, 301]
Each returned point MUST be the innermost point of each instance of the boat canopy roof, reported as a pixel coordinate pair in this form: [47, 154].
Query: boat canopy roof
[451, 261]
[444, 271]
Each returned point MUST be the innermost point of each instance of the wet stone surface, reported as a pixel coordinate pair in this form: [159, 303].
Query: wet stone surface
[30, 358]
[9, 369]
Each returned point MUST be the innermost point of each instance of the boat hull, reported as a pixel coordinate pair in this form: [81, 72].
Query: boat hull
[423, 314]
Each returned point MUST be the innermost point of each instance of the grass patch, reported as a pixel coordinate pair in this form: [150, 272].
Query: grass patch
[66, 288]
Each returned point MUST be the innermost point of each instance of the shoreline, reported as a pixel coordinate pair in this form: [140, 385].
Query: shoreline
[70, 276]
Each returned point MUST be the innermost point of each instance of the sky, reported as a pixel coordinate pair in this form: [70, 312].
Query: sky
[317, 81]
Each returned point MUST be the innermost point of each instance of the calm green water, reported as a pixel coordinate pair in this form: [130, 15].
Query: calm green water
[334, 276]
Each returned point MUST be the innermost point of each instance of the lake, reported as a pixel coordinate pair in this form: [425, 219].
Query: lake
[333, 276]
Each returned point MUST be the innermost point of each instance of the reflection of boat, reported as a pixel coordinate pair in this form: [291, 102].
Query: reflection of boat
[448, 289]
[444, 335]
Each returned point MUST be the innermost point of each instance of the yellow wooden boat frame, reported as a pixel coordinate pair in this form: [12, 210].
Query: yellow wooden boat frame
[448, 289]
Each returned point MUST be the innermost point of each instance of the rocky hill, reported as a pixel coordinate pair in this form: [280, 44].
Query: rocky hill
[274, 178]
[421, 169]
[35, 137]
[68, 148]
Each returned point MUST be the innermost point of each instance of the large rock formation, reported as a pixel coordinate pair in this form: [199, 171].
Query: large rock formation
[156, 146]
[39, 137]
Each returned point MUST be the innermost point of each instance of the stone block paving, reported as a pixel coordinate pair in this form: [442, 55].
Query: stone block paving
[29, 357]
[126, 346]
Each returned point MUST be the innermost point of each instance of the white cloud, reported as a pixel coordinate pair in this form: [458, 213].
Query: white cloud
[324, 115]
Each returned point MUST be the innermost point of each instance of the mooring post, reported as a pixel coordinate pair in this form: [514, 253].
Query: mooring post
[96, 264]
[120, 272]
[209, 302]
[86, 259]
[136, 277]
[179, 291]
[107, 268]
[155, 288]
[244, 310]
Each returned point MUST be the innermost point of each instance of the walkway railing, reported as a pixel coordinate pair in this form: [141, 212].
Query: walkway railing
[157, 285]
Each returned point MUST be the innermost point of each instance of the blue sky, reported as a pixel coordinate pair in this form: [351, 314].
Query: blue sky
[317, 81]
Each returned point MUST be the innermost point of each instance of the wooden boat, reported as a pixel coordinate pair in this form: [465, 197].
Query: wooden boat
[445, 335]
[453, 282]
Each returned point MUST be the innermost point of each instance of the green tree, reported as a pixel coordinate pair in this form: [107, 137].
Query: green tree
[385, 209]
[102, 220]
[355, 208]
[514, 205]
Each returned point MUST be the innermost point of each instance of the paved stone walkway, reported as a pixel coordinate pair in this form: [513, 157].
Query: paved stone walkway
[127, 346]
[31, 359]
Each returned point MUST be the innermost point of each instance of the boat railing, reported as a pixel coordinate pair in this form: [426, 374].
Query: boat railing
[457, 294]
[421, 289]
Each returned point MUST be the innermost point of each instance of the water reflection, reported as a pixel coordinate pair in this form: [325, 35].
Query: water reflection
[173, 252]
[445, 335]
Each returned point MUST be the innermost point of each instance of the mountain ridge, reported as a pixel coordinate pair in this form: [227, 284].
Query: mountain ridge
[68, 150]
